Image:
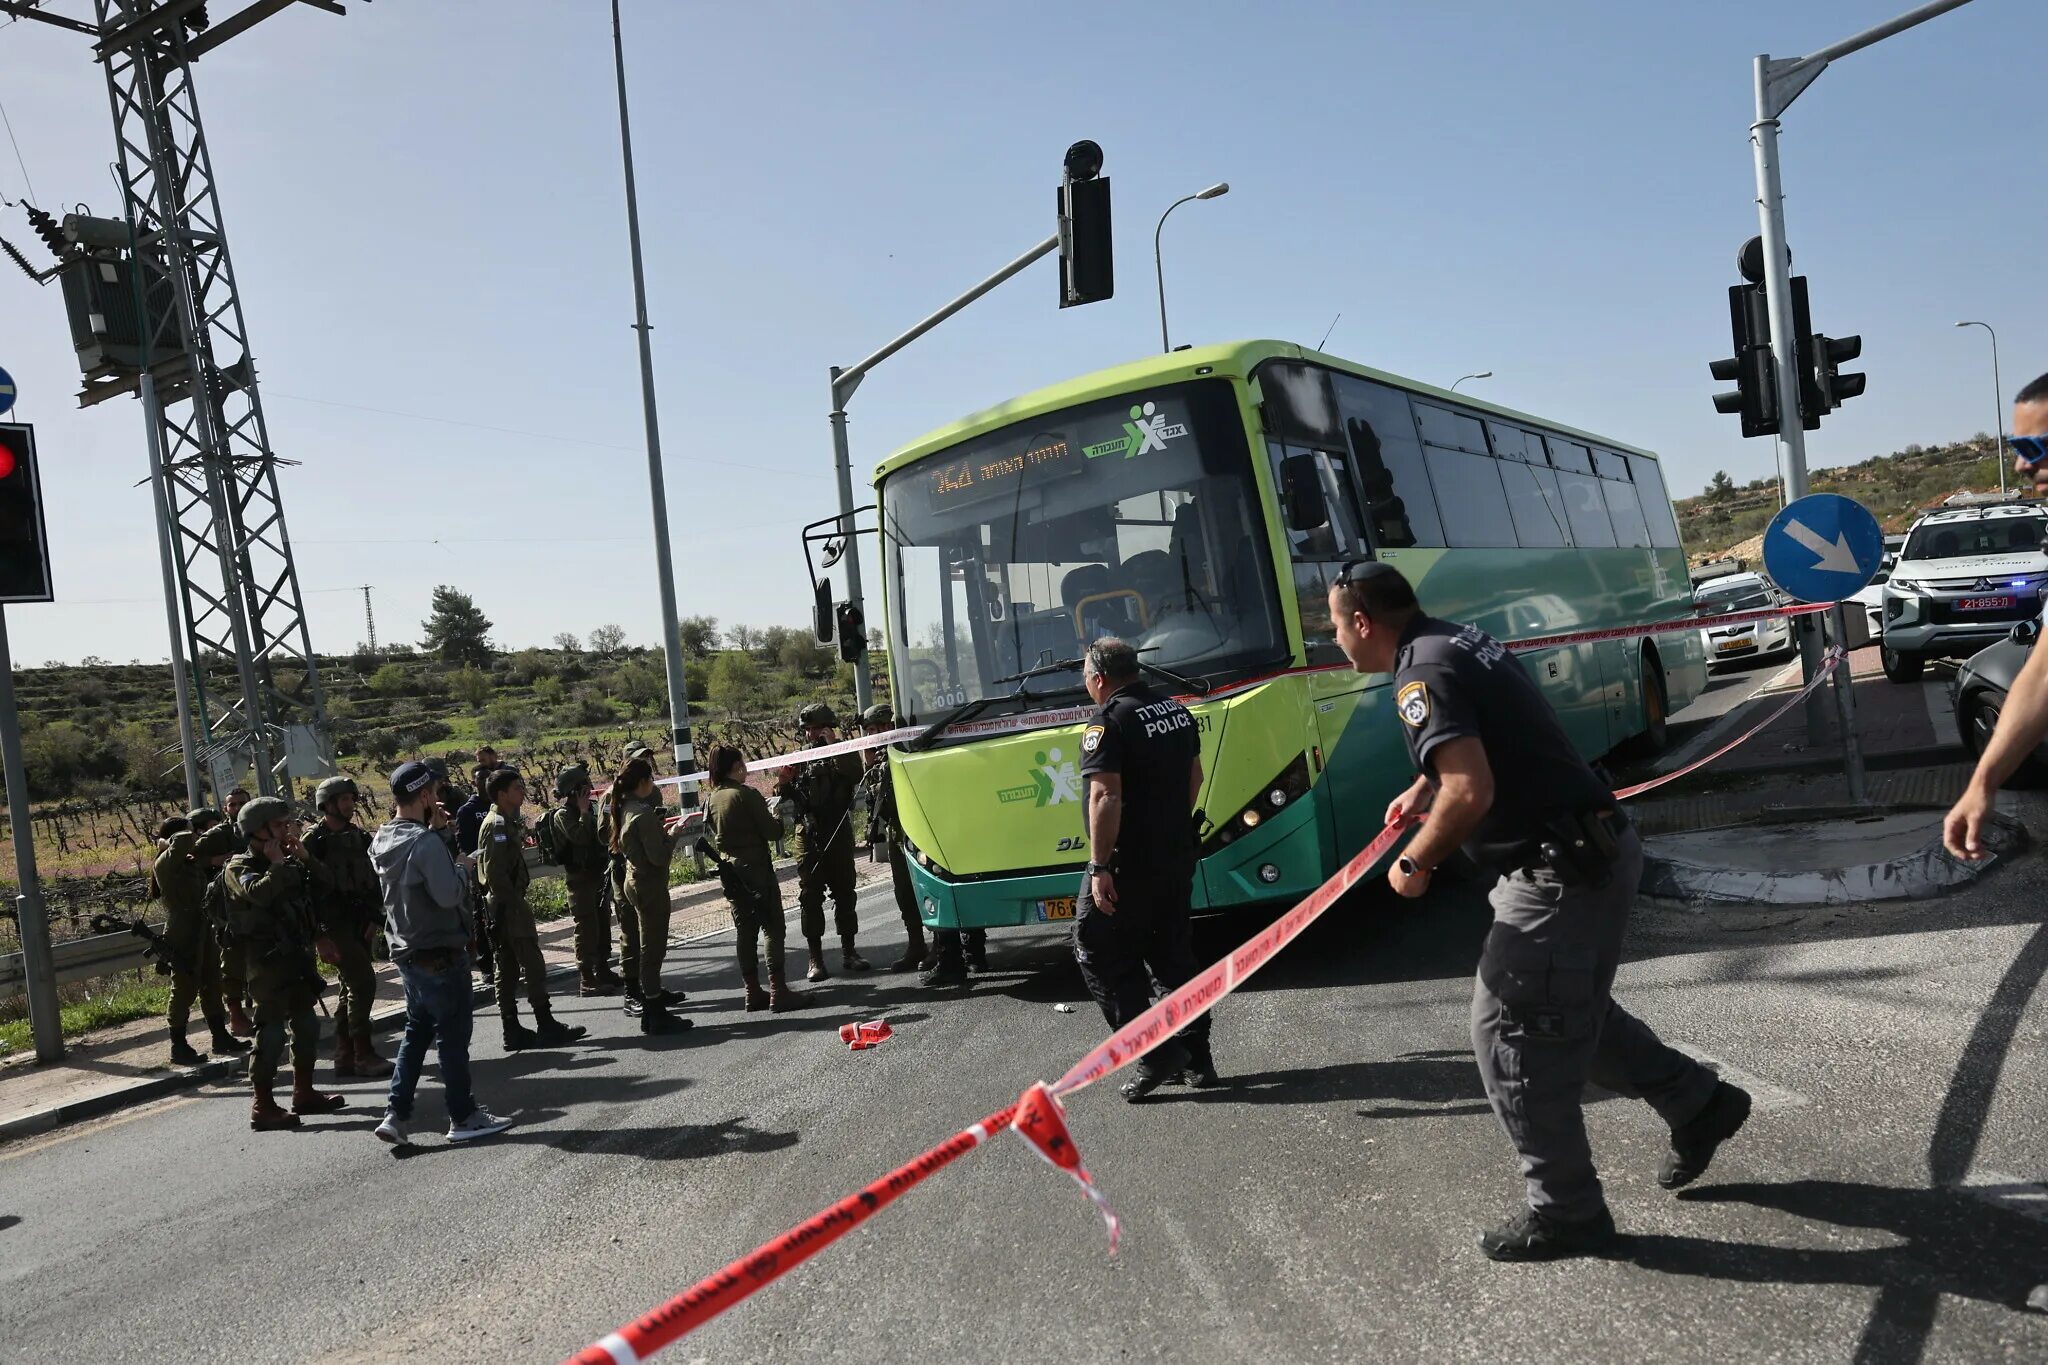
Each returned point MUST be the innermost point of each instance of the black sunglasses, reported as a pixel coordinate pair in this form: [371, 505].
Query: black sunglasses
[1357, 571]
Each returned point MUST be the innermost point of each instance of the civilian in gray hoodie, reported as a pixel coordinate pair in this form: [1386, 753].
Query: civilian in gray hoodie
[428, 925]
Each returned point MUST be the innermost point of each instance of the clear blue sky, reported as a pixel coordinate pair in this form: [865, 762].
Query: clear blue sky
[424, 205]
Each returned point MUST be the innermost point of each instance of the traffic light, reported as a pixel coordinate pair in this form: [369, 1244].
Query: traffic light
[1829, 353]
[1755, 396]
[1087, 268]
[853, 632]
[24, 548]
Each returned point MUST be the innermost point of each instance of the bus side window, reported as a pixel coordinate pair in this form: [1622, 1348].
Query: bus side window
[1318, 482]
[1393, 484]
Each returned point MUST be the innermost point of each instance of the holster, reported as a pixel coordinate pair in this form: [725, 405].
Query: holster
[1579, 848]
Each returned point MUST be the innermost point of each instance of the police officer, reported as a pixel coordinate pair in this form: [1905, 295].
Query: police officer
[1499, 777]
[822, 794]
[349, 905]
[885, 828]
[571, 829]
[1142, 760]
[270, 889]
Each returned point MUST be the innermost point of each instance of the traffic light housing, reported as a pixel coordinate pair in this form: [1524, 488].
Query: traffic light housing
[853, 632]
[1087, 265]
[1829, 353]
[1755, 396]
[24, 546]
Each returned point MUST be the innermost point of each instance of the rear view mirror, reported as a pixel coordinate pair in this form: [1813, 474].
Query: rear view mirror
[822, 613]
[1301, 494]
[2026, 632]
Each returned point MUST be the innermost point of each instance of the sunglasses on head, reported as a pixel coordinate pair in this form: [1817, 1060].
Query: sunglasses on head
[1357, 571]
[2030, 449]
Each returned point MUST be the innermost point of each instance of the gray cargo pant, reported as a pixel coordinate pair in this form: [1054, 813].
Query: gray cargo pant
[1544, 1023]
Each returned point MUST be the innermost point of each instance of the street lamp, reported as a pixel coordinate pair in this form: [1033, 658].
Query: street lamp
[1997, 405]
[1483, 374]
[1215, 191]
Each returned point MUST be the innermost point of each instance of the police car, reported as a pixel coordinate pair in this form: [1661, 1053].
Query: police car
[1963, 579]
[1751, 639]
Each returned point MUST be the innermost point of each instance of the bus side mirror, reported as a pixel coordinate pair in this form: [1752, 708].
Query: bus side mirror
[2026, 632]
[1301, 494]
[822, 614]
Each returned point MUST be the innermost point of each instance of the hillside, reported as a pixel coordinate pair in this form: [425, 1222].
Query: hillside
[1895, 487]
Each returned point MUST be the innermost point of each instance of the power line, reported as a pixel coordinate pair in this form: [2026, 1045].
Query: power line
[32, 195]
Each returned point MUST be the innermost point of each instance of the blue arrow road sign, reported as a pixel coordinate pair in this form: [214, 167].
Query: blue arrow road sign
[1823, 547]
[6, 392]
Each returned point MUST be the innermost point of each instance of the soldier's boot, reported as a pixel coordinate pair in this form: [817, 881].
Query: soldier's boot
[948, 968]
[553, 1031]
[592, 981]
[181, 1051]
[757, 999]
[606, 976]
[1155, 1070]
[782, 997]
[265, 1116]
[238, 1022]
[368, 1064]
[344, 1054]
[655, 1018]
[815, 971]
[975, 950]
[307, 1100]
[226, 1044]
[849, 959]
[517, 1035]
[913, 951]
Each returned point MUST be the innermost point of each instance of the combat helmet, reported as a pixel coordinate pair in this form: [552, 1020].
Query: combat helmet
[878, 716]
[261, 812]
[574, 776]
[816, 714]
[332, 787]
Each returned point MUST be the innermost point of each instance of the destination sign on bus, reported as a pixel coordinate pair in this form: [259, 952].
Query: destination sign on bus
[980, 476]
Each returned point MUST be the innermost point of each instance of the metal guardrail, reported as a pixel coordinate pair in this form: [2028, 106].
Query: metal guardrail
[78, 959]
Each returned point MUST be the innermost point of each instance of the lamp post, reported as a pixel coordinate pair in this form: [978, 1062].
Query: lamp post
[1997, 406]
[1483, 374]
[1215, 191]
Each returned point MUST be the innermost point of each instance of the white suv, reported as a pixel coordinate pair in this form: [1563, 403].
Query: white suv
[1962, 580]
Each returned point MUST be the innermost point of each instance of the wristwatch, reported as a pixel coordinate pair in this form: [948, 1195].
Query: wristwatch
[1410, 868]
[1094, 868]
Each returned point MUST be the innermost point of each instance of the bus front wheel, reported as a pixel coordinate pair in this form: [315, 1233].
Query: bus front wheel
[1656, 731]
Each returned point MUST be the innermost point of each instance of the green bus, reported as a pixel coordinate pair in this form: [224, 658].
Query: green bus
[1198, 504]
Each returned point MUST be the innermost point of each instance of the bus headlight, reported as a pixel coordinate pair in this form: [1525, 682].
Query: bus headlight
[1290, 785]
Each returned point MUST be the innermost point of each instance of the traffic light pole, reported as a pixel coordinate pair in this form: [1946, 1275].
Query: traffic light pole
[844, 382]
[1777, 84]
[31, 919]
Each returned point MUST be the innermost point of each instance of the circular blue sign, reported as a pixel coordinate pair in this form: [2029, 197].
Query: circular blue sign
[6, 392]
[1823, 547]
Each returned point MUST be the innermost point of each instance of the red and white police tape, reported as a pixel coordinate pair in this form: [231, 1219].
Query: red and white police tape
[1038, 1115]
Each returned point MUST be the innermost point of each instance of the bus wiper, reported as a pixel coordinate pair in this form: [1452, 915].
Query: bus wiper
[968, 710]
[1194, 685]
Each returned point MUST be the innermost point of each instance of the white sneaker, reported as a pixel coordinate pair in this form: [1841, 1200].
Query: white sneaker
[391, 1130]
[481, 1123]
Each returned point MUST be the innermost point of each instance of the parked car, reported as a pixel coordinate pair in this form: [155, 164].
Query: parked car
[1978, 692]
[1751, 639]
[1964, 578]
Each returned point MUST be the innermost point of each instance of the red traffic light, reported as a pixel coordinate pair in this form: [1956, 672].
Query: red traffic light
[7, 465]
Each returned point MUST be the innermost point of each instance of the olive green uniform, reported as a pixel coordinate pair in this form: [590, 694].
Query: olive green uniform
[270, 918]
[647, 848]
[349, 907]
[745, 832]
[234, 966]
[583, 870]
[824, 793]
[180, 879]
[501, 868]
[887, 829]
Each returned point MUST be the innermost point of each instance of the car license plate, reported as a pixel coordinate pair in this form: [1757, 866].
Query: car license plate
[1730, 646]
[1059, 907]
[1983, 603]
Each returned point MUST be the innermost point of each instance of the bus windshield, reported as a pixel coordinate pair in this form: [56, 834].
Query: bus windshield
[1135, 516]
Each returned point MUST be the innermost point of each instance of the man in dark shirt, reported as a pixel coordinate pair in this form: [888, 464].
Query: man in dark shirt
[1142, 760]
[1499, 776]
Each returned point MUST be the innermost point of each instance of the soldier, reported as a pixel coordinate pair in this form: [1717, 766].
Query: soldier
[822, 793]
[270, 912]
[640, 836]
[234, 968]
[884, 828]
[615, 872]
[742, 837]
[350, 908]
[187, 863]
[501, 867]
[571, 830]
[468, 819]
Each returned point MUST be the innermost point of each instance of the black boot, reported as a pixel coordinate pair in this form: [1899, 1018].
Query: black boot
[975, 947]
[913, 951]
[1156, 1069]
[517, 1035]
[1535, 1236]
[226, 1044]
[657, 1019]
[552, 1031]
[947, 969]
[1200, 1072]
[1693, 1142]
[849, 959]
[181, 1051]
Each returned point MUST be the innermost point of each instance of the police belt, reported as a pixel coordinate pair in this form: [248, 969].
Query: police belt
[1577, 847]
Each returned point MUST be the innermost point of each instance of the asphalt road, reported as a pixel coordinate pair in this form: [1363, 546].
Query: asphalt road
[1880, 1207]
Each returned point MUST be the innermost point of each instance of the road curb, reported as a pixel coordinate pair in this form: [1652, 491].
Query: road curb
[1926, 871]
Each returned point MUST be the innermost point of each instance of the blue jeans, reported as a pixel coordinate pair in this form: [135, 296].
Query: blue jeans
[438, 1009]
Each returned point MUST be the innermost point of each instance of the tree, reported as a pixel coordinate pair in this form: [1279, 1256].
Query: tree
[568, 643]
[743, 637]
[607, 639]
[801, 653]
[698, 635]
[639, 686]
[1722, 487]
[735, 682]
[457, 630]
[390, 681]
[472, 687]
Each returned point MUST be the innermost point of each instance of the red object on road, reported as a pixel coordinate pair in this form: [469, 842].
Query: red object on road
[859, 1037]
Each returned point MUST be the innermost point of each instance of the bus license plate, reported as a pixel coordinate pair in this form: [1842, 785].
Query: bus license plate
[1983, 603]
[1059, 907]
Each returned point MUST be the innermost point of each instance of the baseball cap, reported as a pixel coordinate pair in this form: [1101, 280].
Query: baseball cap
[411, 779]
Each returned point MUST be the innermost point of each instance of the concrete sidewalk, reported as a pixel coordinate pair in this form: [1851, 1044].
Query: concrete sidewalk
[112, 1069]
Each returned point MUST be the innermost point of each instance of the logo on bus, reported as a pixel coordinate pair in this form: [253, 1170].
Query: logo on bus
[1053, 781]
[1147, 431]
